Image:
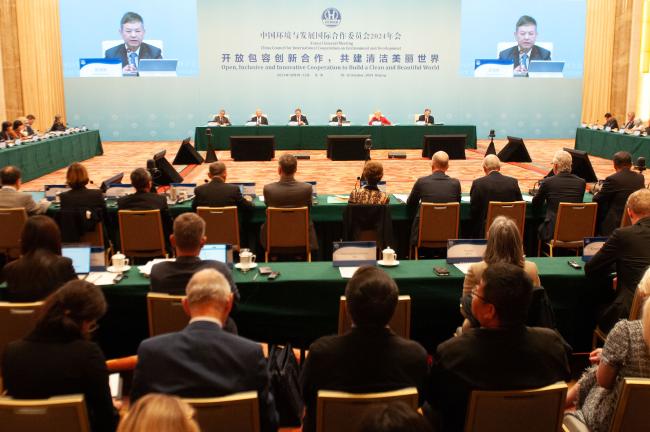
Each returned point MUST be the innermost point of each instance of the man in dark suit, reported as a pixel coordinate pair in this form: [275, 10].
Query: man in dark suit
[218, 193]
[370, 357]
[11, 197]
[501, 354]
[203, 360]
[435, 188]
[525, 50]
[338, 117]
[494, 186]
[561, 187]
[632, 123]
[615, 190]
[427, 118]
[259, 118]
[610, 121]
[288, 192]
[29, 124]
[222, 119]
[628, 253]
[134, 49]
[143, 199]
[299, 118]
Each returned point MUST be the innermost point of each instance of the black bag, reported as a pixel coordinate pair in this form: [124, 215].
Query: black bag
[284, 371]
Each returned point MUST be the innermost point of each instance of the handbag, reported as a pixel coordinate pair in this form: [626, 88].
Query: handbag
[284, 372]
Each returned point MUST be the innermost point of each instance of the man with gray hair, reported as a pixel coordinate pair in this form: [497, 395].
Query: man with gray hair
[218, 193]
[494, 186]
[437, 187]
[202, 360]
[562, 186]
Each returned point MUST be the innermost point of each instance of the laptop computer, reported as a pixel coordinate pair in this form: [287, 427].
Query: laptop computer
[545, 69]
[247, 188]
[157, 67]
[217, 252]
[118, 190]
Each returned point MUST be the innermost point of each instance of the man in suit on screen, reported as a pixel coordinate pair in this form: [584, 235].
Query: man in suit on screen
[259, 118]
[525, 50]
[299, 118]
[339, 117]
[133, 49]
[427, 118]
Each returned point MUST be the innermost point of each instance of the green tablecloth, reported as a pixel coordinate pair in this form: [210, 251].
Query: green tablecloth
[605, 144]
[314, 137]
[43, 157]
[302, 304]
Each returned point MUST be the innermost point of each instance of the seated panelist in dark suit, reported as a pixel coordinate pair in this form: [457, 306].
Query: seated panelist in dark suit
[259, 118]
[222, 118]
[57, 358]
[427, 118]
[84, 206]
[615, 190]
[338, 117]
[202, 360]
[370, 357]
[525, 50]
[610, 121]
[435, 188]
[494, 186]
[58, 125]
[218, 193]
[299, 118]
[561, 187]
[133, 49]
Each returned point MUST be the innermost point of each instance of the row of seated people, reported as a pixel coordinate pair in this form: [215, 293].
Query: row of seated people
[632, 123]
[23, 127]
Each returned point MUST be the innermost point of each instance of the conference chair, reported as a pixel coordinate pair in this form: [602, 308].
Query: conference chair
[344, 412]
[287, 230]
[11, 221]
[438, 223]
[238, 412]
[107, 44]
[573, 223]
[363, 222]
[400, 322]
[61, 413]
[635, 314]
[509, 44]
[141, 233]
[536, 410]
[221, 224]
[515, 210]
[165, 313]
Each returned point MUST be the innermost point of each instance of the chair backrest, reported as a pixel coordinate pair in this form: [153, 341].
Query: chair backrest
[575, 221]
[141, 233]
[238, 412]
[438, 223]
[221, 224]
[60, 413]
[368, 222]
[400, 323]
[515, 210]
[633, 401]
[537, 410]
[108, 44]
[16, 321]
[279, 219]
[344, 412]
[11, 221]
[166, 313]
[94, 238]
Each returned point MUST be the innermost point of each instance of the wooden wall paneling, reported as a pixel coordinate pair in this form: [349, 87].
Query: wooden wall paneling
[11, 70]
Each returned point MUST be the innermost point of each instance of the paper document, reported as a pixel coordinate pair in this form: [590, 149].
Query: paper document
[115, 384]
[464, 267]
[261, 198]
[401, 197]
[347, 272]
[527, 198]
[337, 199]
[101, 278]
[146, 269]
[464, 198]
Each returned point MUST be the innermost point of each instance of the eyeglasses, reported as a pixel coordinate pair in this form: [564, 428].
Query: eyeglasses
[476, 294]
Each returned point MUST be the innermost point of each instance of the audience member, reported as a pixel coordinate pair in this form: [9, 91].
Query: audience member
[57, 357]
[11, 197]
[632, 122]
[369, 193]
[435, 188]
[159, 413]
[222, 118]
[378, 118]
[203, 360]
[288, 192]
[504, 245]
[4, 134]
[40, 269]
[394, 417]
[58, 125]
[561, 187]
[628, 253]
[626, 354]
[218, 193]
[494, 186]
[370, 357]
[615, 190]
[503, 354]
[610, 121]
[29, 124]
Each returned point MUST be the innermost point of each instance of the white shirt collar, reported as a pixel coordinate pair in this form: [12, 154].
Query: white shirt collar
[9, 187]
[207, 318]
[129, 51]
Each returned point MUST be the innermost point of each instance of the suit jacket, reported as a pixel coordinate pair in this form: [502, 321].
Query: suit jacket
[288, 192]
[435, 188]
[335, 119]
[263, 120]
[536, 53]
[612, 198]
[35, 275]
[149, 201]
[626, 249]
[302, 119]
[217, 193]
[29, 129]
[222, 120]
[73, 220]
[492, 187]
[563, 187]
[493, 359]
[37, 369]
[361, 361]
[611, 123]
[204, 361]
[58, 127]
[146, 52]
[428, 120]
[633, 123]
[11, 198]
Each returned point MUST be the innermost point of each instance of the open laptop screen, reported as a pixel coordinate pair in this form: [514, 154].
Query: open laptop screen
[217, 252]
[80, 256]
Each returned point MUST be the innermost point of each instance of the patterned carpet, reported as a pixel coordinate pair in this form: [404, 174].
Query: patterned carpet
[332, 177]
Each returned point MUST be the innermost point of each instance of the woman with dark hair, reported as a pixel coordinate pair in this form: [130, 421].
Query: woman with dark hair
[7, 133]
[40, 269]
[370, 194]
[19, 129]
[58, 358]
[58, 125]
[81, 208]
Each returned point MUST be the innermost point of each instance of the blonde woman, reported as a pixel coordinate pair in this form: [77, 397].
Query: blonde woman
[160, 413]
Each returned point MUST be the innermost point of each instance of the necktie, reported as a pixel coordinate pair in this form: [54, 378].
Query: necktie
[524, 61]
[132, 57]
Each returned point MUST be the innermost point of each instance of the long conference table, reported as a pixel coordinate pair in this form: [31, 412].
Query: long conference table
[315, 137]
[43, 157]
[604, 144]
